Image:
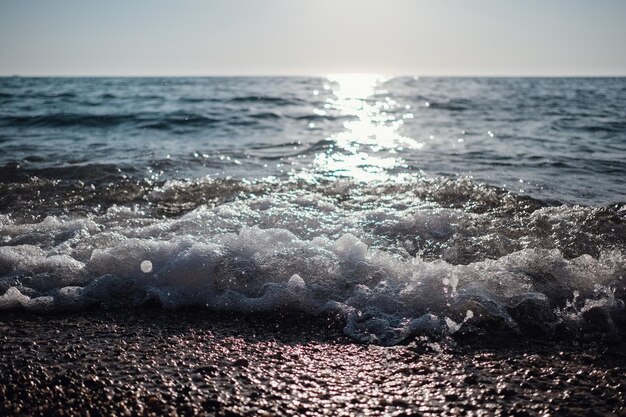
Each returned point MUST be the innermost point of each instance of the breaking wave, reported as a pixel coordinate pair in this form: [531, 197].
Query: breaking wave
[439, 257]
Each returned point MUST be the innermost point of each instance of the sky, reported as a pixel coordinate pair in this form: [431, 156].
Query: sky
[307, 37]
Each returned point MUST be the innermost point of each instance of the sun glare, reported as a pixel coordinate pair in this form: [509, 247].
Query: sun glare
[356, 86]
[369, 144]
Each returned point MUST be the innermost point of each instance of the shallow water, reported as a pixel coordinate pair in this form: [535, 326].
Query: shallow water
[406, 206]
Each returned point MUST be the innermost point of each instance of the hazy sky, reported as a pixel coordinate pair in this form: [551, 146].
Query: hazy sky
[240, 37]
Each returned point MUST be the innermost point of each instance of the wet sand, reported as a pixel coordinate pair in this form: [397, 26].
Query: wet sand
[155, 362]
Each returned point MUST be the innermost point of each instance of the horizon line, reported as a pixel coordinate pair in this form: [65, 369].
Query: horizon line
[311, 75]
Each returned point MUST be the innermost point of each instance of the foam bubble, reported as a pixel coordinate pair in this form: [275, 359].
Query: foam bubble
[146, 266]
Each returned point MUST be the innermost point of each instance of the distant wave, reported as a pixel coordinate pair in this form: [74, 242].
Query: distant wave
[159, 121]
[171, 121]
[60, 120]
[146, 120]
[323, 117]
[14, 172]
[277, 101]
[451, 105]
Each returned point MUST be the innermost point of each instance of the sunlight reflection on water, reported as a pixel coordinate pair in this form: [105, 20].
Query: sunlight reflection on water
[367, 149]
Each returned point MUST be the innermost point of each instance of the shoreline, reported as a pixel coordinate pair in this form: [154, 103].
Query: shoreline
[153, 361]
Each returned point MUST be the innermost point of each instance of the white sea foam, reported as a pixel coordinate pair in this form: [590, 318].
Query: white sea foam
[305, 251]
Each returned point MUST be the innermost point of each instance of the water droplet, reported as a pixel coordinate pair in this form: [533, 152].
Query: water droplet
[146, 266]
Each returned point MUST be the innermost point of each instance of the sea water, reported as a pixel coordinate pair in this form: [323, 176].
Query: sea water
[404, 205]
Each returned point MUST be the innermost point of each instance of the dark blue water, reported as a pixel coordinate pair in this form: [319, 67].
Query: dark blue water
[405, 206]
[556, 138]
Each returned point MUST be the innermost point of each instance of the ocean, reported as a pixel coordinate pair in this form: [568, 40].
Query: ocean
[403, 206]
